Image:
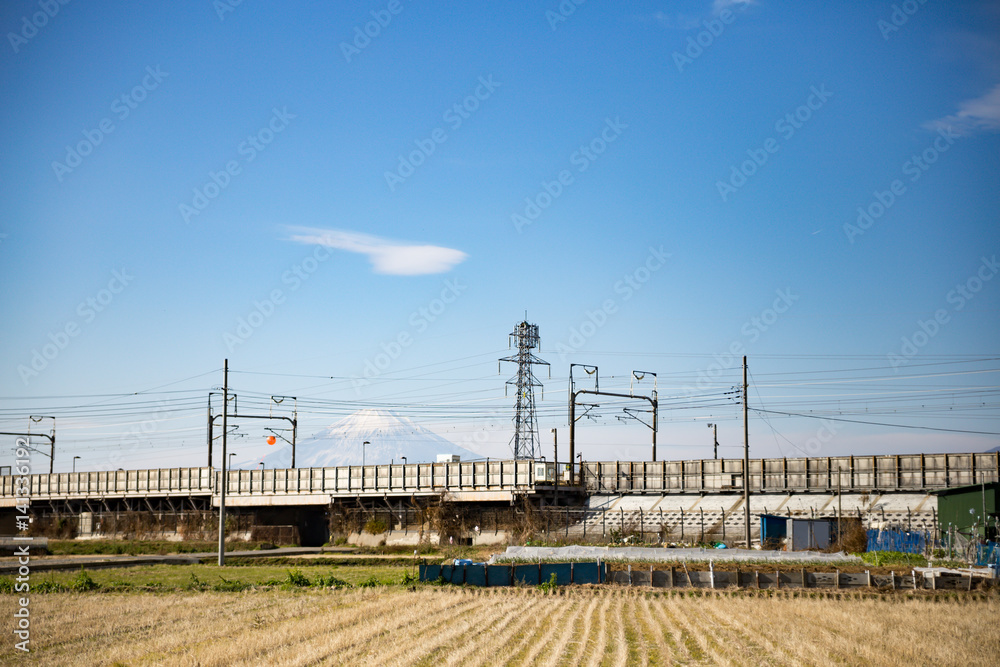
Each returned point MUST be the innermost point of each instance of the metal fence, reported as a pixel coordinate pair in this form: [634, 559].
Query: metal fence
[850, 474]
[497, 475]
[903, 542]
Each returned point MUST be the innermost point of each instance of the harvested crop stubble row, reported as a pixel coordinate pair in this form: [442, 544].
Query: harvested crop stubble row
[518, 626]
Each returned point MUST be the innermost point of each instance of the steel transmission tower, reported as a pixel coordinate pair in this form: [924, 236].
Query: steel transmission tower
[525, 442]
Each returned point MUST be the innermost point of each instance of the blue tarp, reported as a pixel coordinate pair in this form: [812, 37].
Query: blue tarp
[531, 574]
[475, 574]
[587, 573]
[988, 554]
[498, 575]
[527, 574]
[562, 571]
[891, 540]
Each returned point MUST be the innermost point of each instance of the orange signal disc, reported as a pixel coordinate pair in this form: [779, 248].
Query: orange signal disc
[271, 440]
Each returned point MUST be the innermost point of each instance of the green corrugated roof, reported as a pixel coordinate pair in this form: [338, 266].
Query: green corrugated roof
[992, 486]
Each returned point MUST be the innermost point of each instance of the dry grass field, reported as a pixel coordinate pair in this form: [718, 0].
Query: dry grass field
[454, 626]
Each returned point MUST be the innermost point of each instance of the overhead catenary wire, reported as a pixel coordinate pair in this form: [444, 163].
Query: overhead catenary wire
[442, 394]
[858, 421]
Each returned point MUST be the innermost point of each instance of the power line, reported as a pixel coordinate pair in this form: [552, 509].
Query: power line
[857, 421]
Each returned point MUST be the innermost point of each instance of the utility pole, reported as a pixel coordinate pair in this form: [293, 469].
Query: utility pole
[293, 420]
[51, 437]
[654, 427]
[555, 460]
[29, 435]
[222, 483]
[982, 477]
[840, 510]
[573, 393]
[209, 429]
[715, 439]
[746, 454]
[637, 376]
[590, 370]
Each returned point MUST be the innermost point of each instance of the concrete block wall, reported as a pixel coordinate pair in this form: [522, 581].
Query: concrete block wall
[715, 516]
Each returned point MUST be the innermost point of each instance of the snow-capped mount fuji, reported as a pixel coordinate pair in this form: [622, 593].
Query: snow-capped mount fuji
[390, 437]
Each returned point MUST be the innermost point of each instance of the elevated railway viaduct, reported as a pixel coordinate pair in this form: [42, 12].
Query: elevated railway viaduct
[672, 500]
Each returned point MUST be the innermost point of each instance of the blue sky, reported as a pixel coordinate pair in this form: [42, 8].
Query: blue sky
[274, 187]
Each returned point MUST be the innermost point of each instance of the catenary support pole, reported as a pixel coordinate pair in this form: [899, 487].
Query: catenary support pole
[209, 430]
[555, 460]
[222, 476]
[746, 455]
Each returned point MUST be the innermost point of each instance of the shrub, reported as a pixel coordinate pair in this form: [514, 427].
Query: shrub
[83, 582]
[854, 538]
[878, 558]
[331, 582]
[228, 586]
[296, 578]
[549, 585]
[48, 586]
[375, 526]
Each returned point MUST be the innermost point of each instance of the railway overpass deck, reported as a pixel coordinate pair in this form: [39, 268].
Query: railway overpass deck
[505, 480]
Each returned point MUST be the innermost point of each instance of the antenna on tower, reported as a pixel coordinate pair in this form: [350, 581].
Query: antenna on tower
[525, 442]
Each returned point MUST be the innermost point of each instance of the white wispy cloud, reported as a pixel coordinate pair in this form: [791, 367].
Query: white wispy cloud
[979, 114]
[687, 21]
[677, 21]
[719, 5]
[389, 257]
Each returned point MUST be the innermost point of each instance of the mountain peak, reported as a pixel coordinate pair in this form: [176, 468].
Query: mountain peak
[371, 419]
[389, 437]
